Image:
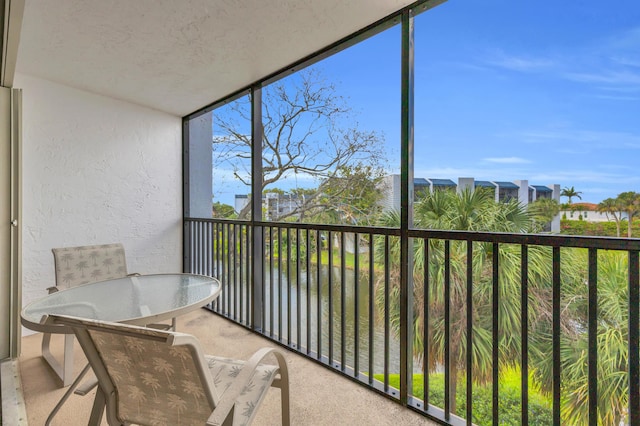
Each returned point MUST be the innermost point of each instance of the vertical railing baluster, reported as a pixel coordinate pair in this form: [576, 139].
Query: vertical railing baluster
[495, 364]
[205, 248]
[343, 302]
[216, 248]
[199, 247]
[469, 343]
[425, 333]
[221, 269]
[233, 270]
[593, 337]
[225, 269]
[634, 339]
[236, 271]
[288, 280]
[212, 248]
[241, 274]
[215, 237]
[387, 281]
[319, 298]
[556, 335]
[230, 268]
[249, 275]
[447, 319]
[524, 334]
[271, 282]
[280, 275]
[265, 232]
[308, 255]
[298, 301]
[330, 296]
[356, 307]
[371, 310]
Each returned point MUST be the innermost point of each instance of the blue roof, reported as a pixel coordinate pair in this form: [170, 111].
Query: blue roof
[442, 182]
[420, 182]
[484, 184]
[540, 188]
[507, 185]
[241, 196]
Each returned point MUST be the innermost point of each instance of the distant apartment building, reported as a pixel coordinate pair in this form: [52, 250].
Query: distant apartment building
[503, 190]
[275, 205]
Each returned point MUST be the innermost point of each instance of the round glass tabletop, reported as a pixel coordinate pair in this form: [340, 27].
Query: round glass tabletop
[139, 300]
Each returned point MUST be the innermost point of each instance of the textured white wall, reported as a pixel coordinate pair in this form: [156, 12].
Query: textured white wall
[97, 170]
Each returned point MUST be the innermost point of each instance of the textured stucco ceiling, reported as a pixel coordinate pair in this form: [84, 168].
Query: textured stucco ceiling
[180, 55]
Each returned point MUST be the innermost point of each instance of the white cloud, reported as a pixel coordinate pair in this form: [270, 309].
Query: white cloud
[507, 160]
[500, 59]
[610, 77]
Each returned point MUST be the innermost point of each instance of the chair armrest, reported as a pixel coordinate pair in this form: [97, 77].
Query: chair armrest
[52, 289]
[223, 413]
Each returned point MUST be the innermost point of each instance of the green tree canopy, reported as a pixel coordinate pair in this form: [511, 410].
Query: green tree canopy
[543, 211]
[629, 202]
[471, 211]
[220, 210]
[613, 207]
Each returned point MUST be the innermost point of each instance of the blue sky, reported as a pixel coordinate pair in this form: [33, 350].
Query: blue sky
[544, 91]
[547, 92]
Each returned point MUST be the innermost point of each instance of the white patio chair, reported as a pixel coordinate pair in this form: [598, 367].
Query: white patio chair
[149, 377]
[81, 265]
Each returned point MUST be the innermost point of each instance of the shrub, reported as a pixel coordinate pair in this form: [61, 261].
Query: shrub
[540, 410]
[600, 229]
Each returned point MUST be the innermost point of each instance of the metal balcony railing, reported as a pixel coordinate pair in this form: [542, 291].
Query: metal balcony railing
[334, 294]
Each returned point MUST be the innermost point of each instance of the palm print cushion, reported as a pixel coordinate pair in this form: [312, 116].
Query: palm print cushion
[86, 264]
[160, 385]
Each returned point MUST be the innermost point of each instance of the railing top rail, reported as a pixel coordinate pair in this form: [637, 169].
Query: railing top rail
[550, 240]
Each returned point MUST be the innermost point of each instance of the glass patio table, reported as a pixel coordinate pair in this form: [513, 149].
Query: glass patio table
[136, 300]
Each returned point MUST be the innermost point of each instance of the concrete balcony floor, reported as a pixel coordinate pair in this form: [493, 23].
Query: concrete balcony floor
[318, 396]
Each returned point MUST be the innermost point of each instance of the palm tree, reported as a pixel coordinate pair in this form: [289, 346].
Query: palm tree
[612, 338]
[570, 193]
[612, 207]
[475, 211]
[544, 210]
[630, 203]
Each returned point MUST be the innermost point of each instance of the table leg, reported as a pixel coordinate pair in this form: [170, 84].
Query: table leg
[63, 369]
[67, 394]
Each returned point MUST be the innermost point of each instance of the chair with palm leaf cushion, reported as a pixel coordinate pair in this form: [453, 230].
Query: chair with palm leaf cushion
[75, 266]
[148, 376]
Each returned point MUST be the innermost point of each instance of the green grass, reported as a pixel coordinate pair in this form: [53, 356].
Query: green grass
[540, 409]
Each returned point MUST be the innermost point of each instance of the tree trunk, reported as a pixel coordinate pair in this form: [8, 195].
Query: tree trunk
[453, 386]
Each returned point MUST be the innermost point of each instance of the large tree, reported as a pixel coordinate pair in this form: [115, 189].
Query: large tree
[310, 134]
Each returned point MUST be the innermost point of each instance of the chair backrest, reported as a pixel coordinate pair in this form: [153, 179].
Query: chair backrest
[85, 264]
[148, 376]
